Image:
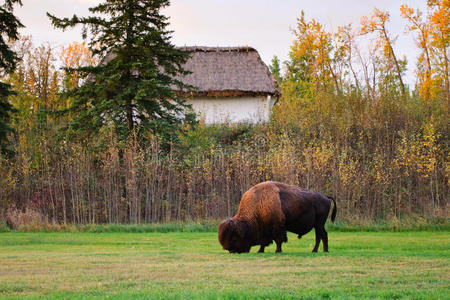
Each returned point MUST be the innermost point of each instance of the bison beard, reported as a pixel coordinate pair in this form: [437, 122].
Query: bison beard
[268, 210]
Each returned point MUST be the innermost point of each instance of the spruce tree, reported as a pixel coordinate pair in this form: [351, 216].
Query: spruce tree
[131, 89]
[9, 26]
[275, 69]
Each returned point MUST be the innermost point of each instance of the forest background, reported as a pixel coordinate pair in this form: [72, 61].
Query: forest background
[346, 124]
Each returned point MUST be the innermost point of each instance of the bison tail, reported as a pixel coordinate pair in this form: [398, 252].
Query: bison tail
[333, 214]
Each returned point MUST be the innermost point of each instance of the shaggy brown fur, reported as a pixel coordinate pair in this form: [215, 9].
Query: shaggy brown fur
[268, 210]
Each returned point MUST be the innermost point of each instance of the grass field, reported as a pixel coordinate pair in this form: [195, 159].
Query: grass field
[390, 265]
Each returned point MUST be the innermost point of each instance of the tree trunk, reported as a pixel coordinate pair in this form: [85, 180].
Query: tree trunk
[130, 123]
[397, 67]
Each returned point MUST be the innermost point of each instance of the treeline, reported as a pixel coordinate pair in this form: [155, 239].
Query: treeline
[347, 125]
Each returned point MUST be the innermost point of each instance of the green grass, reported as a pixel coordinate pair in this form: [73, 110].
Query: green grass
[192, 265]
[403, 225]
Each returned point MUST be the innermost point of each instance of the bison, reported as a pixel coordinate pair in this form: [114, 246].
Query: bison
[268, 210]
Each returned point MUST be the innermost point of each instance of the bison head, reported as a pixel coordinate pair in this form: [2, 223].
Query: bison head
[234, 236]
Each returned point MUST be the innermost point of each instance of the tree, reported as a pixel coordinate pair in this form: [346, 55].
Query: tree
[313, 47]
[75, 55]
[275, 69]
[132, 88]
[415, 23]
[345, 39]
[440, 39]
[9, 26]
[377, 23]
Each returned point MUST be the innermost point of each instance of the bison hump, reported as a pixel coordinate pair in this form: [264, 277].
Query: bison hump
[262, 204]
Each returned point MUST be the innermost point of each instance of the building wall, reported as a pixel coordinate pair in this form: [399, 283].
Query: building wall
[233, 109]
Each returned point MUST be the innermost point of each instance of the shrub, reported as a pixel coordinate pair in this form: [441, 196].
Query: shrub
[28, 218]
[4, 227]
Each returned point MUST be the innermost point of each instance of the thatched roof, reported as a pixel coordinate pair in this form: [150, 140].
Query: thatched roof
[228, 71]
[224, 71]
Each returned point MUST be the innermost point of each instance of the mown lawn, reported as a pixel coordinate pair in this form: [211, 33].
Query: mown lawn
[409, 265]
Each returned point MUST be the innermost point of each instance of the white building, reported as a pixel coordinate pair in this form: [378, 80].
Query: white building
[232, 85]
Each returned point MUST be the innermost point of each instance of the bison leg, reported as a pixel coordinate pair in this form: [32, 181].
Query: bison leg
[279, 239]
[325, 240]
[261, 249]
[280, 236]
[318, 237]
[278, 242]
[321, 234]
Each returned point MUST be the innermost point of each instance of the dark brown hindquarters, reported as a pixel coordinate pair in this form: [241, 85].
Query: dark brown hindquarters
[319, 227]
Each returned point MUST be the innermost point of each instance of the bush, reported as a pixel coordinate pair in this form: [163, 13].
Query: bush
[4, 227]
[28, 219]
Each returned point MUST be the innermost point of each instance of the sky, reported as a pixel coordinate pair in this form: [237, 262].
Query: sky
[263, 24]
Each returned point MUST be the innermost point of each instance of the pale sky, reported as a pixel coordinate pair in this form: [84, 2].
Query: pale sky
[263, 24]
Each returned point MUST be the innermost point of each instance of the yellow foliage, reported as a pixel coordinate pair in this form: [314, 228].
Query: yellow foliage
[76, 55]
[313, 45]
[375, 23]
[379, 167]
[317, 157]
[347, 169]
[426, 74]
[439, 21]
[418, 153]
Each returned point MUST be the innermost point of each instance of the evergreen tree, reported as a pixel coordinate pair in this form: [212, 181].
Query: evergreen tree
[9, 26]
[275, 69]
[131, 89]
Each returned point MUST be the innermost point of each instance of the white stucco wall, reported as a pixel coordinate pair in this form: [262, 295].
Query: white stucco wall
[233, 109]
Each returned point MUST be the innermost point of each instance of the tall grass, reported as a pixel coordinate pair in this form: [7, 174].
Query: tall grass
[374, 172]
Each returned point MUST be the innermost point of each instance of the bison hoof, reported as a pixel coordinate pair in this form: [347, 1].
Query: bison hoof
[314, 251]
